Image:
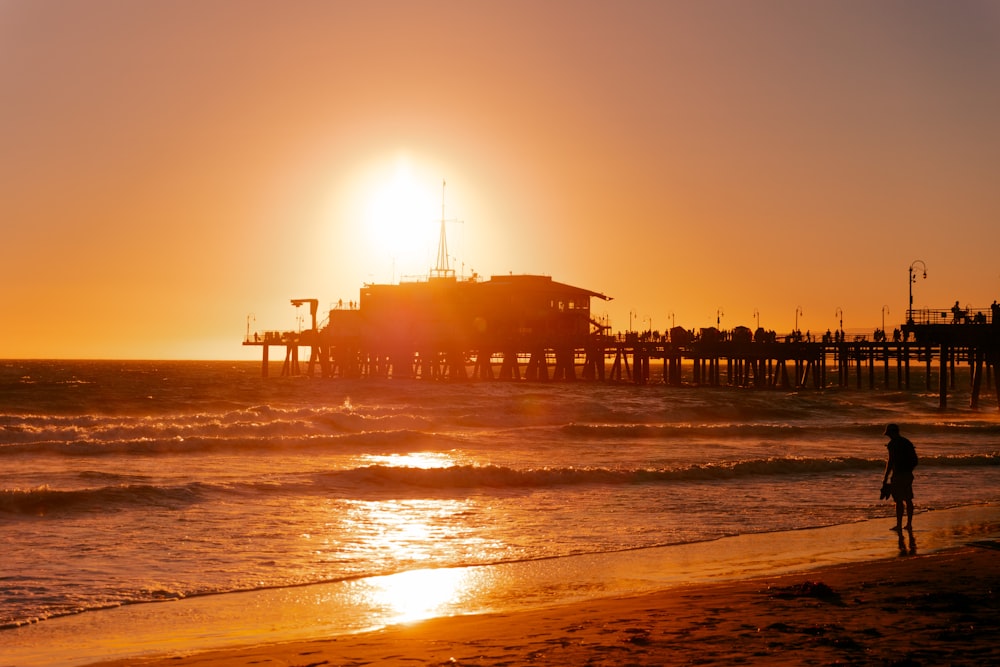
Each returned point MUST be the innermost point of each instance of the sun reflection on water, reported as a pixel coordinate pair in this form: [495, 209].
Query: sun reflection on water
[422, 460]
[416, 533]
[410, 532]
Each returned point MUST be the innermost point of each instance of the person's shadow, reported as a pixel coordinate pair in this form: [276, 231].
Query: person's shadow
[907, 543]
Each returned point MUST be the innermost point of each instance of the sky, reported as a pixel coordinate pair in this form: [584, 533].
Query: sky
[173, 172]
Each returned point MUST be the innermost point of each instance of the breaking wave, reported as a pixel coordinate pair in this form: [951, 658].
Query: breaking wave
[378, 480]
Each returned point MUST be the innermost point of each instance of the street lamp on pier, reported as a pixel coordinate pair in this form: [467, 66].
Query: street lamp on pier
[756, 315]
[913, 279]
[798, 311]
[840, 313]
[885, 309]
[718, 318]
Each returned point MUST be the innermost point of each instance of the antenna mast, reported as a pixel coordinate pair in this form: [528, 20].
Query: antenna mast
[441, 270]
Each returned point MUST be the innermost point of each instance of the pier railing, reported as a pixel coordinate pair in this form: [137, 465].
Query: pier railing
[954, 315]
[269, 338]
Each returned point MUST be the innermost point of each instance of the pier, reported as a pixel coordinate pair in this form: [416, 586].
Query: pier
[924, 354]
[925, 358]
[532, 328]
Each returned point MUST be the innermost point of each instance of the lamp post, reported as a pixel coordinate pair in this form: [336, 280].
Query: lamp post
[913, 279]
[718, 318]
[631, 314]
[798, 311]
[672, 323]
[885, 309]
[756, 315]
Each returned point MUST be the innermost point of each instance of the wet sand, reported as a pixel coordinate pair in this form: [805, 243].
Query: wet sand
[940, 608]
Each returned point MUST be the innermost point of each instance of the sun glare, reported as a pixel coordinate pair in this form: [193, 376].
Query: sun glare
[422, 460]
[401, 218]
[419, 594]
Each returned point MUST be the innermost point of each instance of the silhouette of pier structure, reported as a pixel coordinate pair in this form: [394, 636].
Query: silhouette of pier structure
[929, 346]
[508, 327]
[531, 328]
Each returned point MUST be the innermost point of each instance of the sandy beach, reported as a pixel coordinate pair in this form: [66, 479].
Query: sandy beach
[940, 608]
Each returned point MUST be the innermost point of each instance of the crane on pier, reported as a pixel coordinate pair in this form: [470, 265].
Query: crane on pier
[313, 308]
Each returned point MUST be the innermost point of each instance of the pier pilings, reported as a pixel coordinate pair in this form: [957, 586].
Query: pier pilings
[714, 361]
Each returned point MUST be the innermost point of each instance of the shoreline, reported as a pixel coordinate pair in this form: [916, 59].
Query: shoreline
[339, 613]
[942, 608]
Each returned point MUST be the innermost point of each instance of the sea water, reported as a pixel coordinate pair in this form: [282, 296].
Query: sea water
[127, 482]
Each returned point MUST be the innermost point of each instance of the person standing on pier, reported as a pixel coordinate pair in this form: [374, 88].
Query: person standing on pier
[902, 461]
[957, 314]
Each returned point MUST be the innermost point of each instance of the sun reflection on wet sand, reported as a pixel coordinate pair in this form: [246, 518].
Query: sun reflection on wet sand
[419, 594]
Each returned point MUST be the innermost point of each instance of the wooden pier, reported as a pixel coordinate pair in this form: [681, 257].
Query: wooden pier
[925, 353]
[902, 365]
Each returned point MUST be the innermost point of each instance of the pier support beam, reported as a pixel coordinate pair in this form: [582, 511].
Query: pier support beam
[994, 361]
[538, 368]
[509, 368]
[976, 357]
[291, 365]
[943, 384]
[906, 364]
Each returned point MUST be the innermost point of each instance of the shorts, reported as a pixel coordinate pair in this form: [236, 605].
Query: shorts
[901, 486]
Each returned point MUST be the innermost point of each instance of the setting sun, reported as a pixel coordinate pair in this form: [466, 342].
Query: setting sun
[401, 216]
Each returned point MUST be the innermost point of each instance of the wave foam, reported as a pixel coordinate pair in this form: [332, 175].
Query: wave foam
[380, 479]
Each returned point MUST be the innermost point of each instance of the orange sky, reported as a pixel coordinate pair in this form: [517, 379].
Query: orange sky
[170, 170]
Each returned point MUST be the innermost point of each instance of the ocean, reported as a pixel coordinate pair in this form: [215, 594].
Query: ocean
[145, 481]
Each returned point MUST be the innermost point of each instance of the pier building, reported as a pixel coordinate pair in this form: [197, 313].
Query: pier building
[507, 327]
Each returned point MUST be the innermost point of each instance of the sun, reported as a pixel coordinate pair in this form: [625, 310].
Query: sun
[385, 217]
[401, 217]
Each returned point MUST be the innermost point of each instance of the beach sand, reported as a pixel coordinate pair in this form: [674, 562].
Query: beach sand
[941, 608]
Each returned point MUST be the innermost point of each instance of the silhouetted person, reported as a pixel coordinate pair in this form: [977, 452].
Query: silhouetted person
[902, 461]
[957, 313]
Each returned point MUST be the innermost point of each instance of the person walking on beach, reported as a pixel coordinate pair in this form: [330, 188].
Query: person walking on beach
[902, 461]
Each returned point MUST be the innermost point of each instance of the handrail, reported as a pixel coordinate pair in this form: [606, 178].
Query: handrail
[954, 315]
[270, 337]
